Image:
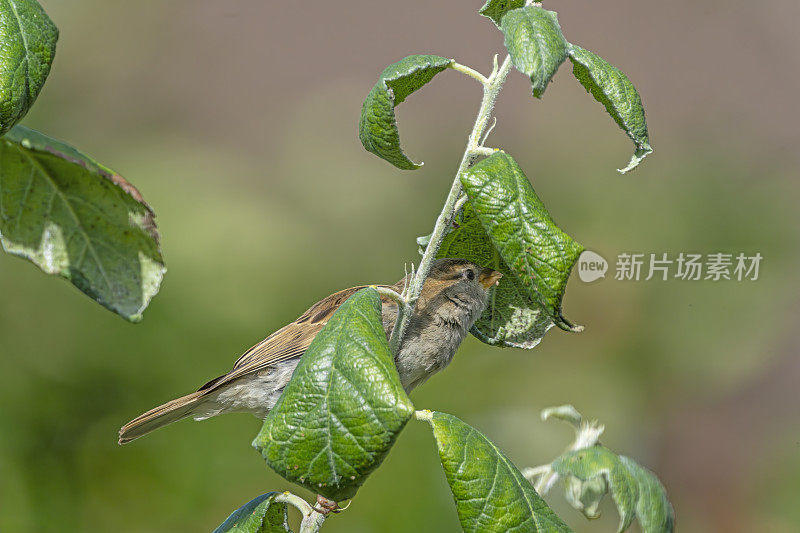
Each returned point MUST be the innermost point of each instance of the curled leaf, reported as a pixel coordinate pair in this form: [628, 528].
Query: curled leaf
[612, 88]
[533, 38]
[378, 126]
[585, 496]
[527, 239]
[653, 509]
[590, 463]
[567, 413]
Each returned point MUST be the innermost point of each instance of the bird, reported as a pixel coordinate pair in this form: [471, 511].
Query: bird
[452, 298]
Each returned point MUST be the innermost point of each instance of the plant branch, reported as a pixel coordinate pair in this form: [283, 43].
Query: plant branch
[425, 415]
[312, 519]
[491, 88]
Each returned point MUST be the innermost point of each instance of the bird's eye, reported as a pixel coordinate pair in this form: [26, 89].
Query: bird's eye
[469, 274]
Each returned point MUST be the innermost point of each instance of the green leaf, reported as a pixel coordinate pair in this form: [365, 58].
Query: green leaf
[566, 413]
[344, 407]
[490, 493]
[536, 44]
[260, 515]
[75, 218]
[495, 9]
[527, 239]
[512, 317]
[29, 45]
[589, 463]
[586, 496]
[653, 509]
[612, 88]
[378, 126]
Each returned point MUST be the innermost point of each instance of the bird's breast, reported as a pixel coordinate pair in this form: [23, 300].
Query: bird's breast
[425, 351]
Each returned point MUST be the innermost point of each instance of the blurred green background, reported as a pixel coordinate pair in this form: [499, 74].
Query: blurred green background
[237, 120]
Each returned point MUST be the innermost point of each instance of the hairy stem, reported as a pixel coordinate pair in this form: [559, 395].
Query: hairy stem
[312, 522]
[312, 519]
[391, 294]
[425, 415]
[491, 88]
[458, 67]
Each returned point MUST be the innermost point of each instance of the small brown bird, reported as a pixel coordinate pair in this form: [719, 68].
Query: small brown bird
[452, 298]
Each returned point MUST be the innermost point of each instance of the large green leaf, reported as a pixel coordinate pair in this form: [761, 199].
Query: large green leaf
[491, 495]
[495, 9]
[259, 515]
[527, 239]
[612, 88]
[587, 464]
[28, 47]
[512, 317]
[653, 509]
[75, 218]
[536, 44]
[344, 407]
[378, 126]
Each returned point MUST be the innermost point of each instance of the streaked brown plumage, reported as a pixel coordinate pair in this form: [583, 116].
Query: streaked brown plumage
[452, 298]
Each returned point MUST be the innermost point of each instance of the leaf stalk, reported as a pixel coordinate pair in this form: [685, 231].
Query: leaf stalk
[472, 73]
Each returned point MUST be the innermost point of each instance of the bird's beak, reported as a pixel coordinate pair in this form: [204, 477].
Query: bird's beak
[489, 277]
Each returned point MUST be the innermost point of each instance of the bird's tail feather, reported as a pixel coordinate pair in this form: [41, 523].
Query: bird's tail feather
[162, 415]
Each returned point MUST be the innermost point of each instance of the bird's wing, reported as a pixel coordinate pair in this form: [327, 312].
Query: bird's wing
[287, 343]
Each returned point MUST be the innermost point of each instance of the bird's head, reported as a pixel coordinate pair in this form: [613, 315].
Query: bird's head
[462, 283]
